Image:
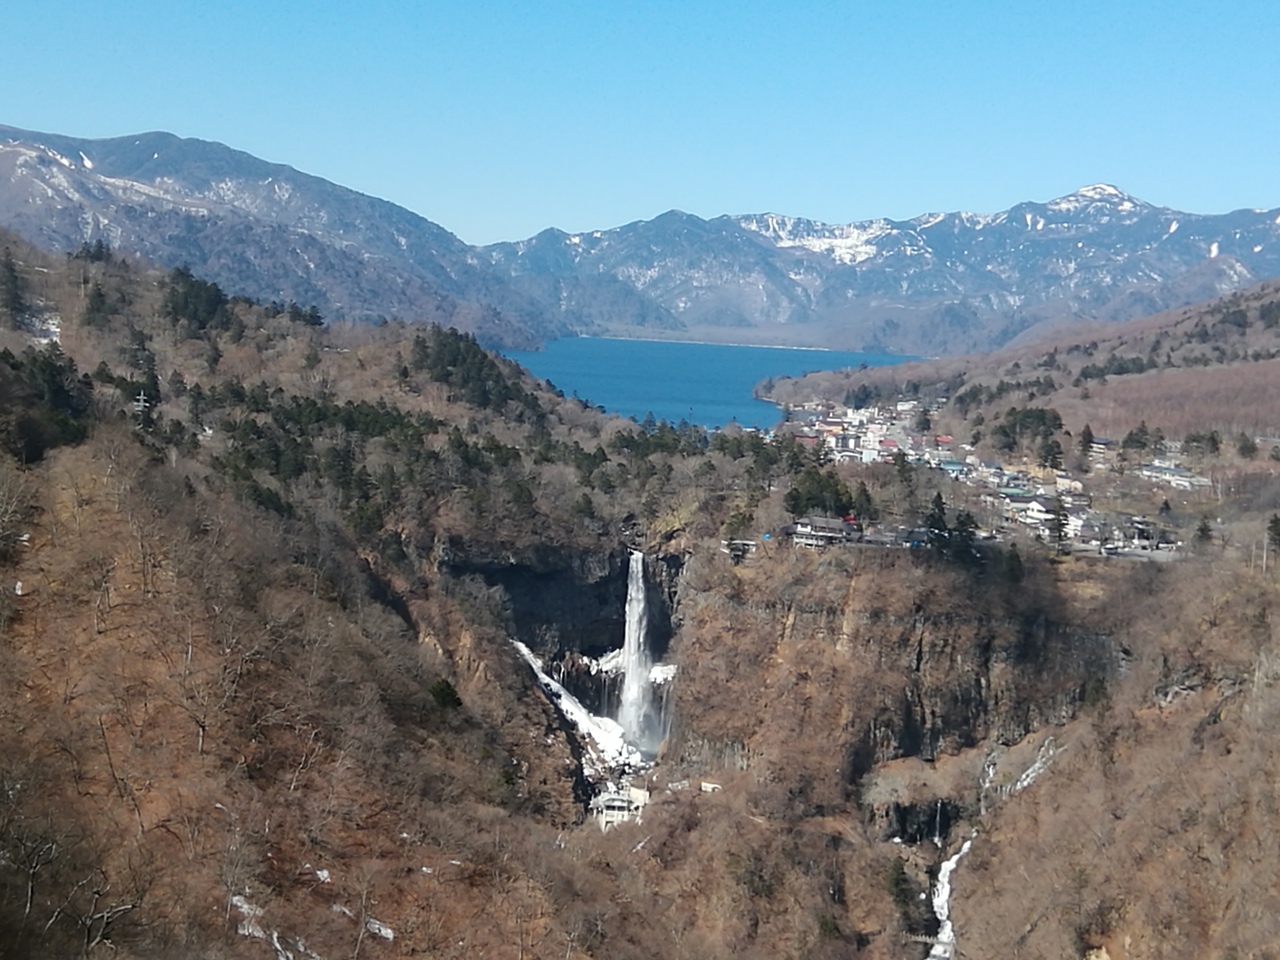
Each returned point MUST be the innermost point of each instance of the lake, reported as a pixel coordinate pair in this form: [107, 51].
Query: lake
[705, 383]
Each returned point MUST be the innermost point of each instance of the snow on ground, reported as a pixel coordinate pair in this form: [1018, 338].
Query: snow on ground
[1048, 750]
[45, 329]
[614, 663]
[1099, 191]
[606, 748]
[945, 944]
[249, 926]
[989, 767]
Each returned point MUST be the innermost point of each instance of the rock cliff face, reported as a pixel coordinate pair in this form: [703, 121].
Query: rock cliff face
[558, 599]
[786, 673]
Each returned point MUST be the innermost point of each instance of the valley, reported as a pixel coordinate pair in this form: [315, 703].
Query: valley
[293, 613]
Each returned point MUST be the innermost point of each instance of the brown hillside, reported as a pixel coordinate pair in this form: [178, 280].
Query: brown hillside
[259, 698]
[1208, 367]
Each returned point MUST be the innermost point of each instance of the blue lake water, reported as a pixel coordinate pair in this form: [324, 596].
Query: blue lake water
[705, 383]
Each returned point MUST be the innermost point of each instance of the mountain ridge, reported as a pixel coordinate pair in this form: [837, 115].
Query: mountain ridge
[938, 283]
[261, 227]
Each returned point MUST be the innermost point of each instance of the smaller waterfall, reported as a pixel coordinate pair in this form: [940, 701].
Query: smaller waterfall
[635, 713]
[944, 946]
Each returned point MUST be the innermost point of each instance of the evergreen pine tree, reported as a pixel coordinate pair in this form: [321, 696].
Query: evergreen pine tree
[906, 476]
[962, 538]
[95, 307]
[12, 301]
[1013, 568]
[1086, 440]
[1273, 532]
[936, 523]
[1058, 523]
[1051, 454]
[864, 508]
[1137, 439]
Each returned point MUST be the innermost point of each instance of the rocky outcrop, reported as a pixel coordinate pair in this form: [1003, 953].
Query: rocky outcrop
[821, 678]
[557, 599]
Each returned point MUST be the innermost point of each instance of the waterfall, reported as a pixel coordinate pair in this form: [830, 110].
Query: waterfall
[635, 713]
[944, 946]
[606, 748]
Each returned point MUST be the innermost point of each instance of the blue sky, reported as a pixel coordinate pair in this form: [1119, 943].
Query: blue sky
[498, 119]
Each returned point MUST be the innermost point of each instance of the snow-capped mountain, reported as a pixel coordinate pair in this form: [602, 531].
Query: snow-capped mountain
[934, 284]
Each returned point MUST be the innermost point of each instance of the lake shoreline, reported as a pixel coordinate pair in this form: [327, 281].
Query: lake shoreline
[707, 384]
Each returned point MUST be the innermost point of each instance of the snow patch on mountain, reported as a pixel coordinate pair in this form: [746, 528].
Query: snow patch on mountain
[1237, 275]
[977, 221]
[1101, 191]
[1098, 199]
[845, 243]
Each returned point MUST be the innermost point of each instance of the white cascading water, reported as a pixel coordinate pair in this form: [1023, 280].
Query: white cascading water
[944, 945]
[635, 710]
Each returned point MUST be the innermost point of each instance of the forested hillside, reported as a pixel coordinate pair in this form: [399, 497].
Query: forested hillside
[258, 695]
[1206, 369]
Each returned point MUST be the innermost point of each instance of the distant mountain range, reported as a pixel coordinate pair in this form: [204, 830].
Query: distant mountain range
[939, 283]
